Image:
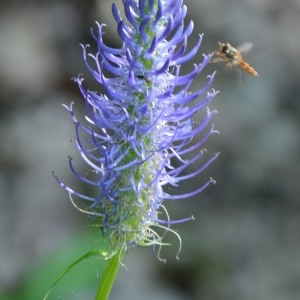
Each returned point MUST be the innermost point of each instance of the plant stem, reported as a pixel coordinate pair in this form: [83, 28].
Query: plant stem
[109, 276]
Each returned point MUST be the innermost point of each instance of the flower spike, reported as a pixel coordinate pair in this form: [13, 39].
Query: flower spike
[137, 135]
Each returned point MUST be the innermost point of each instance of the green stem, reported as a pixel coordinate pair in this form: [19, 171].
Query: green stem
[109, 276]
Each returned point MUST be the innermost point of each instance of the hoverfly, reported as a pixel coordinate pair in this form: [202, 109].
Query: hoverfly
[233, 56]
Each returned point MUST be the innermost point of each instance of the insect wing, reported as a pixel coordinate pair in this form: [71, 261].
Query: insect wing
[245, 48]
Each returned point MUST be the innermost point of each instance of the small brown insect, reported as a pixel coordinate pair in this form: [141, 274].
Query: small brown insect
[233, 56]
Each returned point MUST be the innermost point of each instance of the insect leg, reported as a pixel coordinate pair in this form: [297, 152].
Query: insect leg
[216, 59]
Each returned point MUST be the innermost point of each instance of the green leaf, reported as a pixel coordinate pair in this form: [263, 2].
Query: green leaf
[94, 252]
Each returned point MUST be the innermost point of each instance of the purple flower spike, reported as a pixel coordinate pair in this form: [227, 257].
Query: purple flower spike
[141, 135]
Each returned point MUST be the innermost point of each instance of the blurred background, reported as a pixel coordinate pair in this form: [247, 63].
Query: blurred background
[245, 241]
